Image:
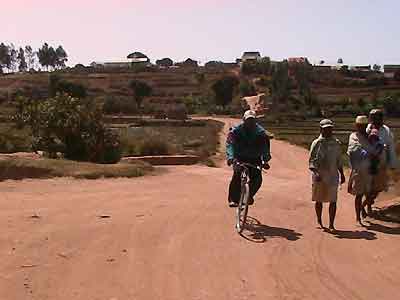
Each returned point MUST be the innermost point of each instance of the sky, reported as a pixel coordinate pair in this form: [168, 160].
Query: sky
[359, 31]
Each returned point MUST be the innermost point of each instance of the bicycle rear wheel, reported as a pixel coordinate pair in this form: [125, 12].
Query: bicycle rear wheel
[242, 208]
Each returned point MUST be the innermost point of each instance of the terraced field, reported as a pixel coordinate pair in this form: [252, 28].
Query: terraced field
[302, 133]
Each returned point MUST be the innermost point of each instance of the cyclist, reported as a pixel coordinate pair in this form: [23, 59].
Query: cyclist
[247, 143]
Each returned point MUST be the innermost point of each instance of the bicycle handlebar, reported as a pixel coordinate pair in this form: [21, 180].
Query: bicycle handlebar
[249, 165]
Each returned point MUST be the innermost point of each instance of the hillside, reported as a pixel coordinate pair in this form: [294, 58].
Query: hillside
[168, 85]
[175, 84]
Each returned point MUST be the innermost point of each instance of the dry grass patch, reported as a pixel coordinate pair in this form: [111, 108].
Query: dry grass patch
[21, 168]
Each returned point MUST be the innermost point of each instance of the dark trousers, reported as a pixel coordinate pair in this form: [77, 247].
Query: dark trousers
[235, 185]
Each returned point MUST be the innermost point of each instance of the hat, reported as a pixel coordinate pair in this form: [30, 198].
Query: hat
[249, 114]
[325, 123]
[362, 120]
[376, 112]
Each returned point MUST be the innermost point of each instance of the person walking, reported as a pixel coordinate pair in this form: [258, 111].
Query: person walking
[359, 152]
[326, 165]
[388, 160]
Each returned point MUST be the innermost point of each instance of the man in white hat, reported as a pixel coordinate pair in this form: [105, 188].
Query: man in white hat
[376, 117]
[380, 182]
[326, 164]
[247, 143]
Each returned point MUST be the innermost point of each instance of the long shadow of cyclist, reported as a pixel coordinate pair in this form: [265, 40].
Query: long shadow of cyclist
[257, 232]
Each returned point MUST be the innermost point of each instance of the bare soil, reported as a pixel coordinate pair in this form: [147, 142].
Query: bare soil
[171, 236]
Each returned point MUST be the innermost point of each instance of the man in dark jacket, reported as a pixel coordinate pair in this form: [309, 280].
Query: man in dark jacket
[247, 143]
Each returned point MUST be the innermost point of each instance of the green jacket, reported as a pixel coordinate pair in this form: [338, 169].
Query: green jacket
[248, 146]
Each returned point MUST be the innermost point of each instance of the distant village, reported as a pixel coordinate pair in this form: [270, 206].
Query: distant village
[138, 59]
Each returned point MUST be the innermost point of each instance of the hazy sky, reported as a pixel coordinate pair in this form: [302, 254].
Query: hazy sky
[360, 31]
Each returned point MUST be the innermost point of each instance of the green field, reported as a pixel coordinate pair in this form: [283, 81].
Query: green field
[302, 133]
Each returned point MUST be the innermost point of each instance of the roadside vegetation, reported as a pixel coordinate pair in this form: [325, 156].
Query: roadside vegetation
[21, 168]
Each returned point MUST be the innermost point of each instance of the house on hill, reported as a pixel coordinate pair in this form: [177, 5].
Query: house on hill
[138, 58]
[110, 65]
[322, 68]
[300, 60]
[165, 62]
[391, 70]
[361, 68]
[189, 63]
[250, 57]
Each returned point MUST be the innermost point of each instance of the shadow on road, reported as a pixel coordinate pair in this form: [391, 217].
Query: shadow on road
[382, 228]
[388, 214]
[355, 235]
[259, 233]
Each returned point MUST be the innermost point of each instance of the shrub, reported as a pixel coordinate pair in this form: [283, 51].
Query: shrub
[112, 150]
[263, 81]
[159, 114]
[178, 112]
[113, 105]
[391, 105]
[11, 142]
[140, 90]
[224, 89]
[257, 67]
[58, 85]
[69, 124]
[154, 146]
[246, 88]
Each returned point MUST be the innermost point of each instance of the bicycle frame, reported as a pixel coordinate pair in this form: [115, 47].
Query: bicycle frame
[243, 205]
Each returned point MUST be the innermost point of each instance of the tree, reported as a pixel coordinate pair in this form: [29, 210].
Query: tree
[340, 61]
[5, 57]
[69, 125]
[214, 64]
[22, 65]
[60, 86]
[262, 67]
[165, 62]
[13, 58]
[43, 55]
[280, 82]
[52, 56]
[302, 73]
[30, 56]
[397, 75]
[376, 68]
[61, 57]
[265, 65]
[47, 56]
[246, 88]
[224, 90]
[140, 90]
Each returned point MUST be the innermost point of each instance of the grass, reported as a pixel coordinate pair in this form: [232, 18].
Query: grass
[21, 168]
[302, 133]
[171, 138]
[199, 140]
[14, 140]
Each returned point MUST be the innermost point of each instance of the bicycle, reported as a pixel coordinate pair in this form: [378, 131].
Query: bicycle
[243, 206]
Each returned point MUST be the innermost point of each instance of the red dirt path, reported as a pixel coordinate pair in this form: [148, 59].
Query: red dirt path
[171, 236]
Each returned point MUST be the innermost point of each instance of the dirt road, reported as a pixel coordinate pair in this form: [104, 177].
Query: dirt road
[171, 236]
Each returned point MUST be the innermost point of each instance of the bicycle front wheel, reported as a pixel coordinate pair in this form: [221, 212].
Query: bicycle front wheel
[242, 208]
